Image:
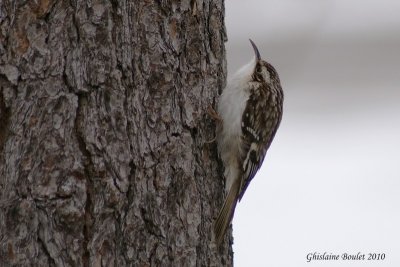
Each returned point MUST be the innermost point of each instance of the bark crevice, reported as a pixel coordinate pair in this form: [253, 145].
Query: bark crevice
[43, 245]
[5, 115]
[89, 172]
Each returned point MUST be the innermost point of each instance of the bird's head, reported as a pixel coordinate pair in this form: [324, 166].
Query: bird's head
[263, 72]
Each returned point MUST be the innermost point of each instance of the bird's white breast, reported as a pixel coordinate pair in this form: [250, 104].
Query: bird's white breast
[233, 99]
[232, 104]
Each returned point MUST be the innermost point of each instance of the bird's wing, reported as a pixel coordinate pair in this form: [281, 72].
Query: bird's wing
[259, 126]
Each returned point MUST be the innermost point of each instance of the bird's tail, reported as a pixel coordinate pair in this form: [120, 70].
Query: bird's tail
[226, 213]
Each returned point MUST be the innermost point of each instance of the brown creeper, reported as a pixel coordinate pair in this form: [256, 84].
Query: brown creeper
[251, 110]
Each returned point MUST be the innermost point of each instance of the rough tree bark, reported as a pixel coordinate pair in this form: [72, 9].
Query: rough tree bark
[103, 130]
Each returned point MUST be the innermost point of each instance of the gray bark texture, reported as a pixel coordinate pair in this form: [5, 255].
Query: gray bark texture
[104, 159]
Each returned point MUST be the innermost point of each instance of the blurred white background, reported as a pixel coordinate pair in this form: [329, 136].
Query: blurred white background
[331, 179]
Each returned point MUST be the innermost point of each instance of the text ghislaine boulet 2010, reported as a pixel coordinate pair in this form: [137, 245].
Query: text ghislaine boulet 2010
[359, 256]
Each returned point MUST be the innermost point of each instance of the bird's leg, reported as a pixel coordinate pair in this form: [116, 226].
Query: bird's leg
[210, 141]
[214, 115]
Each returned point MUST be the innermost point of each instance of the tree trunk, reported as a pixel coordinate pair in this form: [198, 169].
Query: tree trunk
[104, 159]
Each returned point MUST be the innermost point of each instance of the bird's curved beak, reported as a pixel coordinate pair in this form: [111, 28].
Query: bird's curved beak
[258, 57]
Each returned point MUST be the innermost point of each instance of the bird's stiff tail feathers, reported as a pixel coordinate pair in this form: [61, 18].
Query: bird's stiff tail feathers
[226, 213]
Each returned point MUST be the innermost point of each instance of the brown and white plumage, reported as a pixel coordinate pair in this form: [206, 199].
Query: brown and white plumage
[251, 110]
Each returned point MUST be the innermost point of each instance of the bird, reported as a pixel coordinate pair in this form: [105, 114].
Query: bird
[250, 111]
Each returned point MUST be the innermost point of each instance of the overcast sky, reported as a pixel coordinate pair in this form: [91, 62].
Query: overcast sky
[331, 179]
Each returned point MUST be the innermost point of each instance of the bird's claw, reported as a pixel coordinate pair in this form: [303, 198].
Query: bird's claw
[213, 114]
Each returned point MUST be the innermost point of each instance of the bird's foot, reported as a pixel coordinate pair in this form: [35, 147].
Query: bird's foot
[210, 141]
[213, 114]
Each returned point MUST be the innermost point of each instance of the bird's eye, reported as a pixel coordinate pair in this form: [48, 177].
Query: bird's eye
[259, 69]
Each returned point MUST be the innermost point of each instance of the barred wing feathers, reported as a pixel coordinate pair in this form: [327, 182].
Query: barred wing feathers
[260, 121]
